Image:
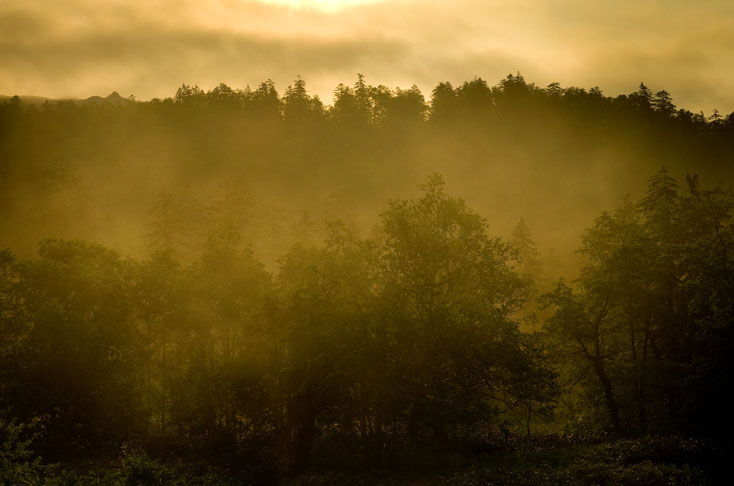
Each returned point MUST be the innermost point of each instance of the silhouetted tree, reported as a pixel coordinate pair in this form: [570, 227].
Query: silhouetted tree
[527, 249]
[663, 103]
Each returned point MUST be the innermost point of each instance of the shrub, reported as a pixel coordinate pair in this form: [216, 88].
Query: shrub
[18, 463]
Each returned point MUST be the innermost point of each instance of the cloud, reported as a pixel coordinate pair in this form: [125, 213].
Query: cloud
[148, 48]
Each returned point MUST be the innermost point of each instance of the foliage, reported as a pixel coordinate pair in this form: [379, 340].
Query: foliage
[146, 170]
[398, 351]
[18, 462]
[651, 314]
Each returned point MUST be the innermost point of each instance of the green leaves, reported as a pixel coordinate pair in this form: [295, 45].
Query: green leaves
[649, 300]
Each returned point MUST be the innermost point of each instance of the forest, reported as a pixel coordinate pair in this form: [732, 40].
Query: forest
[493, 285]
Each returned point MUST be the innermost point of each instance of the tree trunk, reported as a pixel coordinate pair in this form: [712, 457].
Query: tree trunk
[611, 403]
[527, 421]
[304, 437]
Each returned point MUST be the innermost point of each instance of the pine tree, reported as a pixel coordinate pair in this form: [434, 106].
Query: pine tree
[526, 247]
[662, 188]
[233, 202]
[662, 102]
[298, 106]
[272, 220]
[340, 205]
[167, 225]
[303, 229]
[643, 96]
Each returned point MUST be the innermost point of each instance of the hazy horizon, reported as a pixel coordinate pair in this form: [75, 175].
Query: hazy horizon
[440, 243]
[148, 49]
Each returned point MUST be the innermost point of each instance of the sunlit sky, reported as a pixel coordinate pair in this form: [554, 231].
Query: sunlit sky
[79, 48]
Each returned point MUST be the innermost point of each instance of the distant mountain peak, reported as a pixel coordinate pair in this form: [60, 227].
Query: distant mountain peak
[113, 98]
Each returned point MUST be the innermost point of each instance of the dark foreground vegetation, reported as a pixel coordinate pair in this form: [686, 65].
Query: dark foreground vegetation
[423, 351]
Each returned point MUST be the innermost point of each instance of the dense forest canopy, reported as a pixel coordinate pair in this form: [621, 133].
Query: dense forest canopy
[285, 288]
[105, 170]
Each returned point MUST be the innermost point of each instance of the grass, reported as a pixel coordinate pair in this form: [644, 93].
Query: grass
[652, 461]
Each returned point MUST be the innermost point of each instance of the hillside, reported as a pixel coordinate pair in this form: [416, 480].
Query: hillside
[555, 156]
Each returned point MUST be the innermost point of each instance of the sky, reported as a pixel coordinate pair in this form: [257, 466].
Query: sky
[148, 48]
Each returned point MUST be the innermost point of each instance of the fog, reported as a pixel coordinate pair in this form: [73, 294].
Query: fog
[414, 275]
[94, 170]
[73, 49]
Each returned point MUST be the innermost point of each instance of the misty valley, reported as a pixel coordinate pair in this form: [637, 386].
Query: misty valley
[499, 284]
